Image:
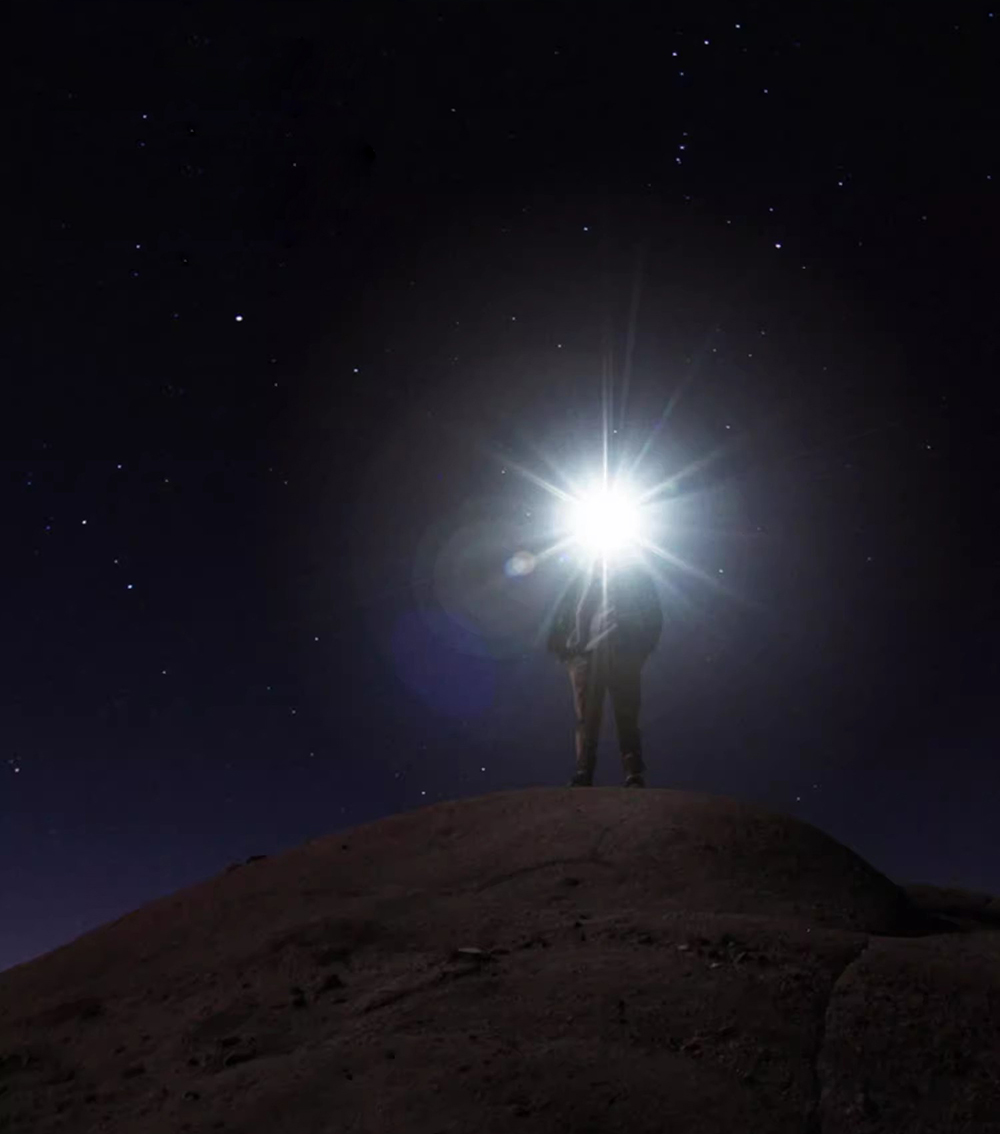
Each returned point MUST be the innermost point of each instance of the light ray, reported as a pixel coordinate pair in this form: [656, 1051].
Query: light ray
[667, 410]
[555, 549]
[703, 576]
[673, 482]
[541, 482]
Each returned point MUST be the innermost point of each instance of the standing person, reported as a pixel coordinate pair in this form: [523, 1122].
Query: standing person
[607, 624]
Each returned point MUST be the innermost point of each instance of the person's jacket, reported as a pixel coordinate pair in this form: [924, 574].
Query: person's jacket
[638, 617]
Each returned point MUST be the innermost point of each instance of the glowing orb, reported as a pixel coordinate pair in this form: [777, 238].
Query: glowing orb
[520, 563]
[606, 521]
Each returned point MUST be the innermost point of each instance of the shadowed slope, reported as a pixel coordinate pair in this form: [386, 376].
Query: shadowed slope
[546, 958]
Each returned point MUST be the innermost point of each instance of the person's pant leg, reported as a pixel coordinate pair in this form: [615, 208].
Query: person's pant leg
[625, 687]
[588, 679]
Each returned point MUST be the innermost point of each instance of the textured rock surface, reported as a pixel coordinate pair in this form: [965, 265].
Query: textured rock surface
[537, 960]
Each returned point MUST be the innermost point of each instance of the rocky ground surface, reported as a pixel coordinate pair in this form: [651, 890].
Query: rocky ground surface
[548, 960]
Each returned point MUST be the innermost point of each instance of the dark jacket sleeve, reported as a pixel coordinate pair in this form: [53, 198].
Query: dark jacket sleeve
[650, 614]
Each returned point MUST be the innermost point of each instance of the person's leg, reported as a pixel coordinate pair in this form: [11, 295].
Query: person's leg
[625, 686]
[587, 678]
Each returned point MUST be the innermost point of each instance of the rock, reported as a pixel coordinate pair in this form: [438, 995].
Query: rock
[775, 982]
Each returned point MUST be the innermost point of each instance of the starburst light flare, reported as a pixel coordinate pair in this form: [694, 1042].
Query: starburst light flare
[606, 521]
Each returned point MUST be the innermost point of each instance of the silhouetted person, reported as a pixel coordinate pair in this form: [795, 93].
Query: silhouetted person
[603, 630]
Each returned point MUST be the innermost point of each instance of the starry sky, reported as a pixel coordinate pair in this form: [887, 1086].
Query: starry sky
[299, 294]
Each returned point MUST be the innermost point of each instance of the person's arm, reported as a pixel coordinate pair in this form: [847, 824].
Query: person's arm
[561, 625]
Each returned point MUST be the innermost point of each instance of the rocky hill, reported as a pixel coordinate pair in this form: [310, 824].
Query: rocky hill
[548, 960]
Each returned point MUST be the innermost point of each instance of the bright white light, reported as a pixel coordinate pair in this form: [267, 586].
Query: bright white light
[606, 521]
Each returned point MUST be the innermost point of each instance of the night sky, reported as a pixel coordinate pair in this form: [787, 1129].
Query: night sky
[297, 293]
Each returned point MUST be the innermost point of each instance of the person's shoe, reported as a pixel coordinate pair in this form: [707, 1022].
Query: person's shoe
[581, 779]
[633, 768]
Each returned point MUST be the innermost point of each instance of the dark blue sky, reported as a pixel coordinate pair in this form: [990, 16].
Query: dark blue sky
[298, 288]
